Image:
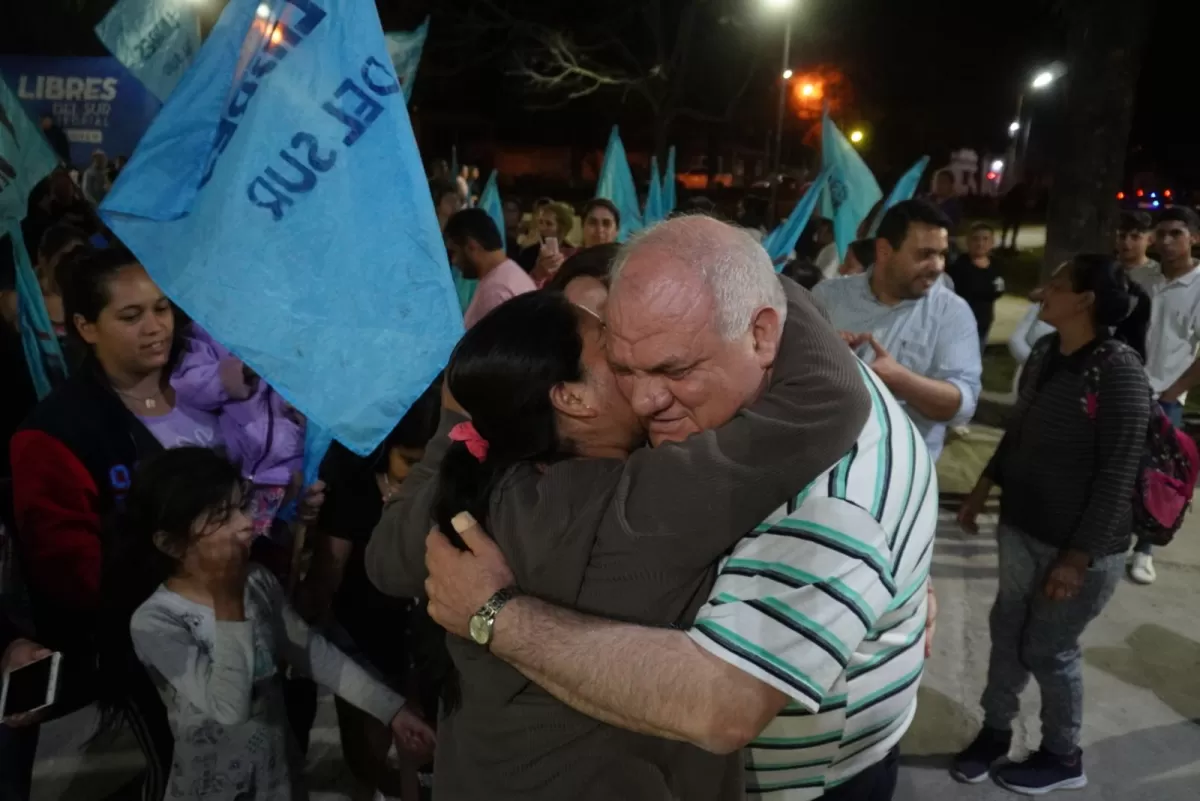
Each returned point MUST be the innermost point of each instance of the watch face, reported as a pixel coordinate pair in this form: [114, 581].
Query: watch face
[480, 631]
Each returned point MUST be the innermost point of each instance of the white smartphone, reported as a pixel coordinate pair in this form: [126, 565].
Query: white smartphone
[30, 688]
[551, 245]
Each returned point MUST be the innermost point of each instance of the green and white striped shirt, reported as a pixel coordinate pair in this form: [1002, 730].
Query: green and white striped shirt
[826, 602]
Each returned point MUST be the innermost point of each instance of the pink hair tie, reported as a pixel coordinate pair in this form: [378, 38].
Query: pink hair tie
[467, 435]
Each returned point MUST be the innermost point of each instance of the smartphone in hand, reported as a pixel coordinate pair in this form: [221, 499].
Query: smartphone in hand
[30, 688]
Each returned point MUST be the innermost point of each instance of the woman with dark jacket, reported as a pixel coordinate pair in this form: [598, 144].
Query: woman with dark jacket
[1067, 464]
[72, 462]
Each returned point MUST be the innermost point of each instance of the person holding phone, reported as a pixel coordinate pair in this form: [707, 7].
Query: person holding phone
[18, 737]
[542, 259]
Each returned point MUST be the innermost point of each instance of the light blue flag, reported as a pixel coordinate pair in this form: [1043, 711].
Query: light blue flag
[156, 40]
[280, 200]
[904, 189]
[782, 241]
[668, 184]
[654, 197]
[616, 184]
[405, 49]
[489, 201]
[852, 188]
[25, 159]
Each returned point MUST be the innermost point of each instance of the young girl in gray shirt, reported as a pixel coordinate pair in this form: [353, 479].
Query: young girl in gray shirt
[216, 631]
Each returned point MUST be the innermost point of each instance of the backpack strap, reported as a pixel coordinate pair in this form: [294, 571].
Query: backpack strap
[1093, 366]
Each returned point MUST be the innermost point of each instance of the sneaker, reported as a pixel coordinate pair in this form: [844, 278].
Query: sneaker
[1141, 570]
[974, 764]
[1043, 773]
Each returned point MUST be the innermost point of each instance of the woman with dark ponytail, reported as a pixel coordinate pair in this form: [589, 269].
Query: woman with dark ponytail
[1067, 464]
[549, 462]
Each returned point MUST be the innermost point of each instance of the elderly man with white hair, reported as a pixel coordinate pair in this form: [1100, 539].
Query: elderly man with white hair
[810, 648]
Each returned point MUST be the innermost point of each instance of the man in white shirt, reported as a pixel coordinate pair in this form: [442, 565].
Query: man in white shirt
[1171, 342]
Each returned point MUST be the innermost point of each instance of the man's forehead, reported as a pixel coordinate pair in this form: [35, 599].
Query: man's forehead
[656, 290]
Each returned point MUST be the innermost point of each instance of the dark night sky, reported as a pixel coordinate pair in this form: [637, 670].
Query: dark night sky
[928, 75]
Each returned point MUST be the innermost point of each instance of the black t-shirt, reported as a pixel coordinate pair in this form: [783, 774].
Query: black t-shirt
[352, 508]
[980, 287]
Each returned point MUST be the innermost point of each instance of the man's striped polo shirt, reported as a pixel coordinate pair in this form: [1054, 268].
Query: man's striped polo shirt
[826, 602]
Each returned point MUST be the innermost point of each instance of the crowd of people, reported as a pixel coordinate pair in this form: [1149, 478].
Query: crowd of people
[683, 510]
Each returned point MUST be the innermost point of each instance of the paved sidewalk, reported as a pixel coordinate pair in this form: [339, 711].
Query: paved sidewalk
[1141, 673]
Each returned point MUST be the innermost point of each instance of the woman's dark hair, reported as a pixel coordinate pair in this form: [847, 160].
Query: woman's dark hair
[85, 282]
[57, 237]
[83, 276]
[594, 262]
[602, 203]
[170, 492]
[501, 373]
[1120, 305]
[803, 272]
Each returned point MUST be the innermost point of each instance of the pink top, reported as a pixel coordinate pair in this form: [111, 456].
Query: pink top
[506, 281]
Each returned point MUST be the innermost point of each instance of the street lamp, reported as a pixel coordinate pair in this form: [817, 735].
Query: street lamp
[808, 90]
[1019, 129]
[856, 136]
[997, 165]
[1043, 79]
[783, 7]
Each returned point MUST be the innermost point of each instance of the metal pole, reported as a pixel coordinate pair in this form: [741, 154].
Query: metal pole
[1013, 152]
[783, 88]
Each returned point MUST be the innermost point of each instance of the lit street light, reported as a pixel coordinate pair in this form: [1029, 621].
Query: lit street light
[808, 90]
[1019, 128]
[263, 11]
[787, 75]
[856, 136]
[780, 5]
[997, 165]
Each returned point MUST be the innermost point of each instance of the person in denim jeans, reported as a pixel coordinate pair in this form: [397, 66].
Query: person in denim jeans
[1174, 334]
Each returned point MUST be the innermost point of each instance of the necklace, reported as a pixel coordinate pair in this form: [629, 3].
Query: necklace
[150, 402]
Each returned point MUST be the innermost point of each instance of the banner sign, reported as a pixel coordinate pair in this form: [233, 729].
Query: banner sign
[280, 200]
[96, 101]
[155, 39]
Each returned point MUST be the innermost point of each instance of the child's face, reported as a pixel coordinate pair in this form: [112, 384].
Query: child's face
[220, 539]
[401, 460]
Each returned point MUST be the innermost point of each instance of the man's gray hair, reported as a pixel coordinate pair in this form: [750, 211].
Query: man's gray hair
[735, 268]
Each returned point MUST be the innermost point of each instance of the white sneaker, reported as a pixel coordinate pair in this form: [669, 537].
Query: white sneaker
[1142, 569]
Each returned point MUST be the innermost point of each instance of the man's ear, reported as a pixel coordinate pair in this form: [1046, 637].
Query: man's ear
[883, 251]
[766, 327]
[570, 398]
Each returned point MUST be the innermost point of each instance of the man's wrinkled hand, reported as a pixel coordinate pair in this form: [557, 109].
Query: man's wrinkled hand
[461, 582]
